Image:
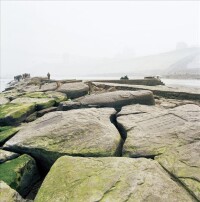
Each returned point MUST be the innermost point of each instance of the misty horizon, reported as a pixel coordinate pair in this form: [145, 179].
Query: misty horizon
[87, 38]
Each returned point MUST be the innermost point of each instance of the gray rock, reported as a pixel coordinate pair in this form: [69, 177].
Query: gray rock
[74, 90]
[7, 194]
[31, 117]
[109, 179]
[44, 111]
[6, 155]
[81, 132]
[152, 130]
[20, 173]
[184, 163]
[13, 113]
[3, 100]
[115, 99]
[119, 98]
[49, 87]
[41, 103]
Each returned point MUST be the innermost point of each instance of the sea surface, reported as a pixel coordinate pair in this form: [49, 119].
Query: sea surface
[192, 83]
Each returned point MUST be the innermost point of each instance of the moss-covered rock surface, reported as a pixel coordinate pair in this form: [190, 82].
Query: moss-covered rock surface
[20, 173]
[82, 132]
[77, 179]
[7, 132]
[13, 113]
[41, 103]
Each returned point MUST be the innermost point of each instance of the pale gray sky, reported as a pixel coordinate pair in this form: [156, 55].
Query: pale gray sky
[73, 38]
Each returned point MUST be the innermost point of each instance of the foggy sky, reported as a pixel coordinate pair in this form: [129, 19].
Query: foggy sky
[76, 38]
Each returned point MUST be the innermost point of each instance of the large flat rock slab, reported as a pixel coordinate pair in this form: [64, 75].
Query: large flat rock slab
[151, 130]
[116, 99]
[3, 100]
[184, 163]
[81, 132]
[20, 173]
[57, 96]
[13, 113]
[6, 132]
[7, 194]
[74, 90]
[6, 155]
[163, 91]
[109, 179]
[41, 103]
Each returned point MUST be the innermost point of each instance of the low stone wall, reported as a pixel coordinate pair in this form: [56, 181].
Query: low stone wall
[146, 82]
[163, 91]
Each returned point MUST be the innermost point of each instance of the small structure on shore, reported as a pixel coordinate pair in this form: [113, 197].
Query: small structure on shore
[124, 78]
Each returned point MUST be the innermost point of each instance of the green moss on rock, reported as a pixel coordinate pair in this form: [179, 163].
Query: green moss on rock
[13, 113]
[7, 132]
[20, 173]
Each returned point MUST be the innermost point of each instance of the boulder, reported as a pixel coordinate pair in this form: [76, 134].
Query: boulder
[13, 113]
[31, 117]
[184, 163]
[7, 194]
[44, 111]
[74, 90]
[3, 100]
[119, 99]
[41, 103]
[116, 99]
[49, 87]
[81, 132]
[109, 179]
[20, 173]
[6, 155]
[57, 96]
[150, 130]
[6, 132]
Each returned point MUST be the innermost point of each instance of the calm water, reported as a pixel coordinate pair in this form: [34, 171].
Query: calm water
[168, 82]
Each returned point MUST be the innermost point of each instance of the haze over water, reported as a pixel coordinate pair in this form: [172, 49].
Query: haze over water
[85, 38]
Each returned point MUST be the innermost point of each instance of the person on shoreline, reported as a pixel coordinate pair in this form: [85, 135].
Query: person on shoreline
[48, 76]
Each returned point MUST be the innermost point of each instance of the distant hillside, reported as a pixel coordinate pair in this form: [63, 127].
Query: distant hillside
[182, 61]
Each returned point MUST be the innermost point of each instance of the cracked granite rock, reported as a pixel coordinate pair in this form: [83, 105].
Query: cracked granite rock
[112, 179]
[81, 132]
[152, 130]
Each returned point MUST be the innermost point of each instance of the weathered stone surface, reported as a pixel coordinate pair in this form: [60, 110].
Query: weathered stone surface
[109, 179]
[44, 111]
[114, 99]
[152, 130]
[3, 100]
[81, 132]
[187, 93]
[57, 96]
[13, 113]
[11, 94]
[7, 194]
[68, 105]
[41, 103]
[49, 86]
[6, 155]
[31, 117]
[74, 90]
[119, 98]
[20, 173]
[7, 132]
[184, 163]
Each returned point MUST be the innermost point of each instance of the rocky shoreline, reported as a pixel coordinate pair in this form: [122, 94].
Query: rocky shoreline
[90, 141]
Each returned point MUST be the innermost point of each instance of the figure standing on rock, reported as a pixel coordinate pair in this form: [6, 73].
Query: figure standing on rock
[48, 76]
